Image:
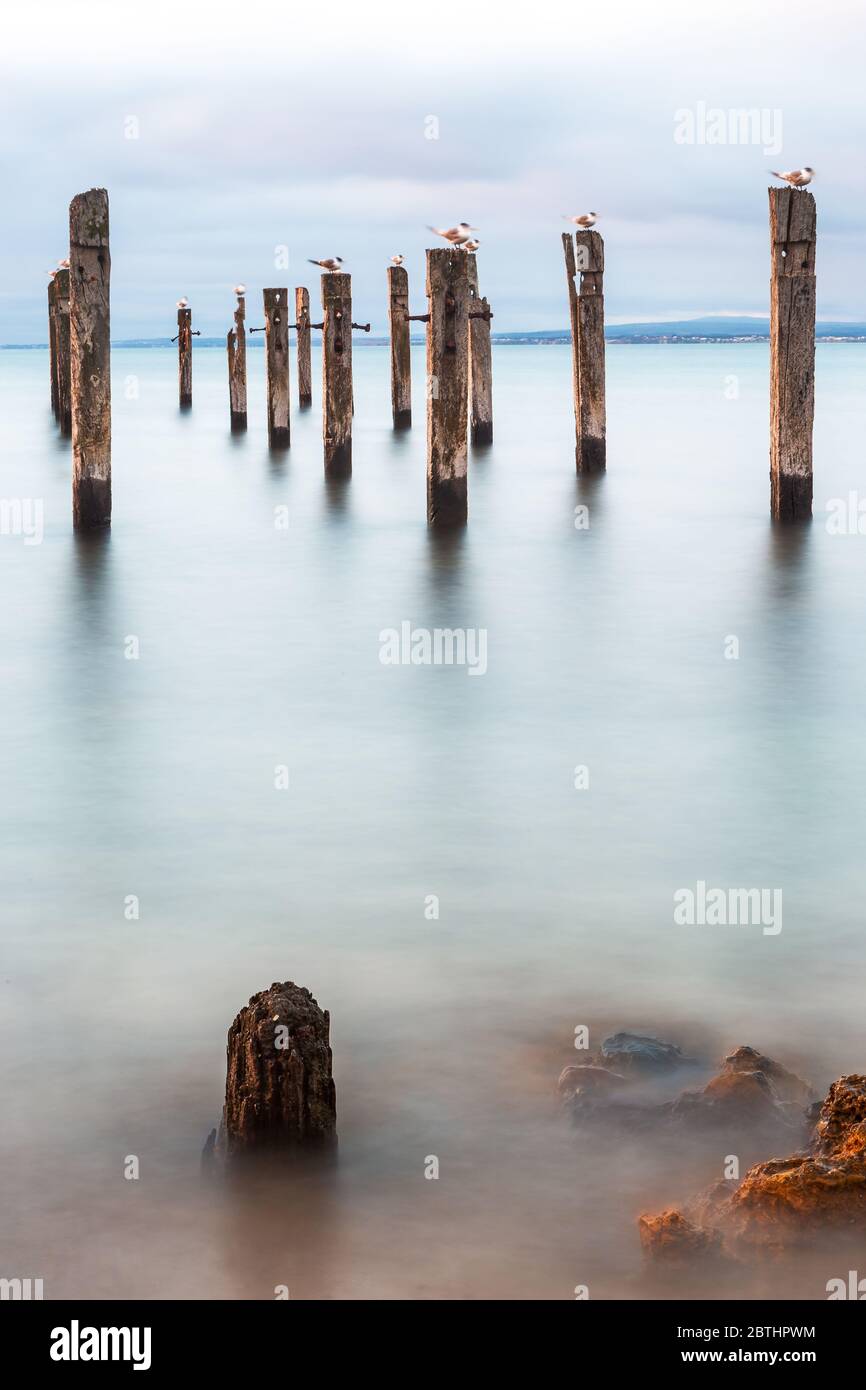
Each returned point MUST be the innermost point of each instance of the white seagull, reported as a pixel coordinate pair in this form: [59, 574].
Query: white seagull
[472, 245]
[183, 304]
[397, 260]
[331, 263]
[585, 220]
[456, 235]
[797, 178]
[240, 290]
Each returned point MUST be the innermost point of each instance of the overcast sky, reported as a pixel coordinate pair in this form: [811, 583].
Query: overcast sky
[258, 127]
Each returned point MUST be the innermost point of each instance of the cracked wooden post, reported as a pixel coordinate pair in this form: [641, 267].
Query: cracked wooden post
[280, 1096]
[586, 306]
[52, 343]
[401, 366]
[236, 344]
[447, 385]
[184, 357]
[277, 354]
[64, 383]
[90, 357]
[337, 373]
[302, 332]
[792, 352]
[480, 364]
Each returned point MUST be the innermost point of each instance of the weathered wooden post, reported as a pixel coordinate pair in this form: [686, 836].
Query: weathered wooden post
[184, 356]
[52, 342]
[280, 1096]
[401, 366]
[302, 331]
[337, 373]
[480, 362]
[90, 357]
[792, 352]
[64, 383]
[277, 353]
[236, 343]
[587, 337]
[447, 385]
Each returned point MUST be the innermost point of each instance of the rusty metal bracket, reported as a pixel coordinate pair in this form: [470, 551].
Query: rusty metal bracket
[482, 314]
[417, 318]
[193, 333]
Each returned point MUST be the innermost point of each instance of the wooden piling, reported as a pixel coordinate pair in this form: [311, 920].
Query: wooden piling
[401, 366]
[90, 357]
[184, 357]
[792, 352]
[236, 344]
[586, 305]
[337, 373]
[64, 384]
[52, 342]
[447, 385]
[302, 331]
[480, 363]
[277, 354]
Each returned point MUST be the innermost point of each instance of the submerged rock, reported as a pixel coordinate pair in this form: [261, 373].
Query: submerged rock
[672, 1239]
[645, 1056]
[590, 1081]
[749, 1090]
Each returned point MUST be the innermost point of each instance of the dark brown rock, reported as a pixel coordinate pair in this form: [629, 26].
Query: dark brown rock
[279, 1088]
[671, 1239]
[589, 1080]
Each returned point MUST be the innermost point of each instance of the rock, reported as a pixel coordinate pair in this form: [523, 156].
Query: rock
[589, 1080]
[785, 1198]
[631, 1052]
[787, 1086]
[671, 1239]
[279, 1088]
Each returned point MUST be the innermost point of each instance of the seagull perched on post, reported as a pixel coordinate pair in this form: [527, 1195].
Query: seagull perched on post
[456, 235]
[472, 245]
[240, 291]
[397, 260]
[585, 220]
[331, 263]
[183, 303]
[797, 178]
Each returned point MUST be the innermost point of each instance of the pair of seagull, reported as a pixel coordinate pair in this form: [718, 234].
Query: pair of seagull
[459, 236]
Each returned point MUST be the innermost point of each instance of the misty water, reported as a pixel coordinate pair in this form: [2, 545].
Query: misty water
[607, 648]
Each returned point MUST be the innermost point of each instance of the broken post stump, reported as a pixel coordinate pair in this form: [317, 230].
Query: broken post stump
[277, 355]
[280, 1094]
[90, 357]
[64, 383]
[337, 373]
[184, 357]
[302, 332]
[480, 363]
[236, 343]
[586, 305]
[52, 342]
[401, 367]
[792, 352]
[447, 383]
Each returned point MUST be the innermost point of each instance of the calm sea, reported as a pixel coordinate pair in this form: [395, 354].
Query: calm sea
[609, 648]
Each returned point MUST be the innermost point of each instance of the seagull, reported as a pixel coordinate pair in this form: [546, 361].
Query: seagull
[456, 235]
[397, 260]
[240, 290]
[331, 263]
[472, 245]
[797, 178]
[585, 220]
[183, 304]
[63, 265]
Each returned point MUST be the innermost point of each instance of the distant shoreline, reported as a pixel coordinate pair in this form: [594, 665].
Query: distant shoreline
[500, 339]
